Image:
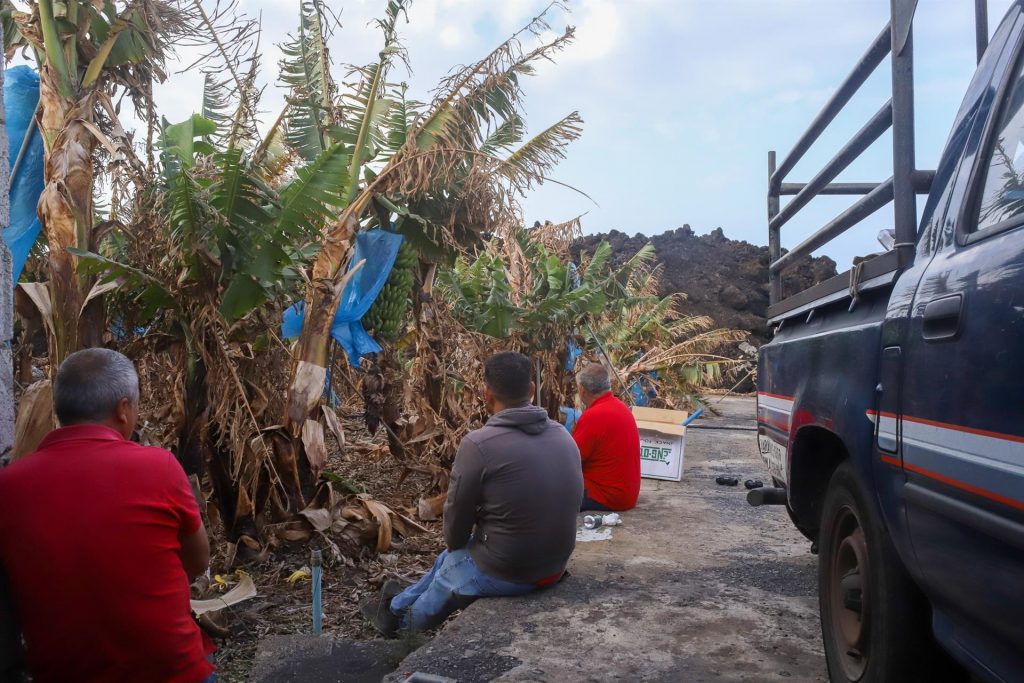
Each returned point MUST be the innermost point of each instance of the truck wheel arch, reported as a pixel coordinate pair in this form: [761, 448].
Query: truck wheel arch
[815, 454]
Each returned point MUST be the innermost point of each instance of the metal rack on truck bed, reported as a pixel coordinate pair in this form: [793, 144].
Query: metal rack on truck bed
[907, 181]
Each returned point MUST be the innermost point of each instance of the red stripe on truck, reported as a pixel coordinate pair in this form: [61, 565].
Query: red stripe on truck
[956, 483]
[1016, 438]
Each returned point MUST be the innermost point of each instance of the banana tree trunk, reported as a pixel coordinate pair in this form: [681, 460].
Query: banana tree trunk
[309, 372]
[66, 213]
[430, 342]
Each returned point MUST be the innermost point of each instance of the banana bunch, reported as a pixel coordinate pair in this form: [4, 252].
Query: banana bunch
[387, 316]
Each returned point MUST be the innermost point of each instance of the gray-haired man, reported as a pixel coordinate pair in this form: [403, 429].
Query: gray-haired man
[99, 538]
[609, 444]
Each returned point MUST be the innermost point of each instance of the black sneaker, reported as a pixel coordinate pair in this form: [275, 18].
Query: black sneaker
[376, 609]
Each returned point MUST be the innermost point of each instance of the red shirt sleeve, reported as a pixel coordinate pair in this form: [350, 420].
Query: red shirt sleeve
[181, 499]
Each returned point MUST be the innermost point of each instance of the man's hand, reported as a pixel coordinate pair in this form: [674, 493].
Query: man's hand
[195, 553]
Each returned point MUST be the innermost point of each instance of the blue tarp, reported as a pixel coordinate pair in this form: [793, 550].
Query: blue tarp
[379, 249]
[643, 390]
[573, 351]
[21, 94]
[572, 416]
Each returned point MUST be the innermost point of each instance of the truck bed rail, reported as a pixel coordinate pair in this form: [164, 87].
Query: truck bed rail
[895, 40]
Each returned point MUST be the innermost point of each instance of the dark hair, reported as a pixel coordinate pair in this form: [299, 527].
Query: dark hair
[90, 383]
[508, 375]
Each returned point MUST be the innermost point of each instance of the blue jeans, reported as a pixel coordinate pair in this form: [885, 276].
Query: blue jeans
[591, 505]
[452, 583]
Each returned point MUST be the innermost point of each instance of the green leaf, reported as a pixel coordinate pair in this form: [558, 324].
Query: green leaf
[105, 56]
[536, 158]
[436, 126]
[499, 317]
[239, 195]
[267, 260]
[242, 296]
[179, 139]
[365, 112]
[315, 194]
[341, 484]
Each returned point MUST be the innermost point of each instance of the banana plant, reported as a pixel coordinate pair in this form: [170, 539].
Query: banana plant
[225, 247]
[239, 228]
[425, 167]
[541, 304]
[87, 52]
[526, 292]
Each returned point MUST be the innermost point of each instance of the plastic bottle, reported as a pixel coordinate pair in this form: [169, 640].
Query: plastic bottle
[595, 521]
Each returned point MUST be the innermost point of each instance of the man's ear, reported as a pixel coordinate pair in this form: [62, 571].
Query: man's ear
[123, 411]
[533, 391]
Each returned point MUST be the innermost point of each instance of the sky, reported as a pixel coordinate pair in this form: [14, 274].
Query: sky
[682, 99]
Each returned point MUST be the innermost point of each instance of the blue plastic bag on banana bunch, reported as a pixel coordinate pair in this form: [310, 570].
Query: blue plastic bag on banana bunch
[377, 250]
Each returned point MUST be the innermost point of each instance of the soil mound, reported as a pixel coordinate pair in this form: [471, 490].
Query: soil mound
[721, 278]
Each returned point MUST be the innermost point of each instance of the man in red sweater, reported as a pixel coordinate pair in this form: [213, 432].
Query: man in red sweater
[99, 538]
[609, 444]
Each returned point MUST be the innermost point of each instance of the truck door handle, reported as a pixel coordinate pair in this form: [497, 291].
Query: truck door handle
[942, 318]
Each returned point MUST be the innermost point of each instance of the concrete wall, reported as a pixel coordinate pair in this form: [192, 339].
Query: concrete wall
[6, 290]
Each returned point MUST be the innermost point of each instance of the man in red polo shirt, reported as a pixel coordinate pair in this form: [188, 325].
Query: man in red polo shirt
[609, 444]
[100, 537]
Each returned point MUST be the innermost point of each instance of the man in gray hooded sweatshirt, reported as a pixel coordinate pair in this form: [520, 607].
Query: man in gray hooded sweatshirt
[510, 517]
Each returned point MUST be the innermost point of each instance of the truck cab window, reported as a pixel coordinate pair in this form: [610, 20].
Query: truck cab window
[1002, 195]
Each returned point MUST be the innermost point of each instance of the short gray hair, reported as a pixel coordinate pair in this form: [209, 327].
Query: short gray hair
[90, 383]
[594, 379]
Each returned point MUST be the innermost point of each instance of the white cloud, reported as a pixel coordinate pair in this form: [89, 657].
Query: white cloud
[451, 36]
[599, 30]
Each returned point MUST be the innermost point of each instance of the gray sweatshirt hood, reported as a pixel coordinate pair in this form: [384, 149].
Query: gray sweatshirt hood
[529, 419]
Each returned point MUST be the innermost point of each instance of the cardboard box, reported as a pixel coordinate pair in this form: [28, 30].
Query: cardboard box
[662, 442]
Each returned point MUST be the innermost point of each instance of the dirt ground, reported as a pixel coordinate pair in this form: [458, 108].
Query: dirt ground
[694, 586]
[282, 608]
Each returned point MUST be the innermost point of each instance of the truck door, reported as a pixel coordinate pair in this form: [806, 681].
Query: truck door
[962, 429]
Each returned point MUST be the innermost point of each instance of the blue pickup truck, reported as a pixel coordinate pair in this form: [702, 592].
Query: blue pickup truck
[891, 397]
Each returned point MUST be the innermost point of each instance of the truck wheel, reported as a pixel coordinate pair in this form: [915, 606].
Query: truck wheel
[874, 621]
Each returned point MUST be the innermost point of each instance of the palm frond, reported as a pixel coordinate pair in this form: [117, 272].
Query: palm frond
[532, 161]
[228, 42]
[306, 72]
[244, 131]
[488, 91]
[505, 137]
[315, 194]
[366, 107]
[366, 111]
[184, 217]
[401, 118]
[599, 260]
[238, 196]
[216, 107]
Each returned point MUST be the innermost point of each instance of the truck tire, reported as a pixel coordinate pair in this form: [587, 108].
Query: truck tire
[874, 621]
